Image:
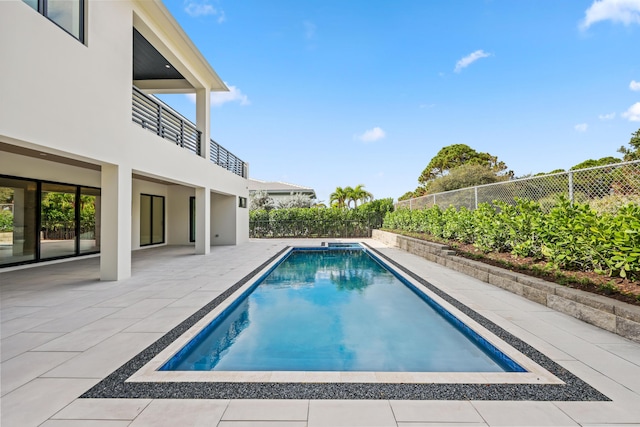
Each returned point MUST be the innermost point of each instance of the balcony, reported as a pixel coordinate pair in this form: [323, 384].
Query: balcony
[157, 117]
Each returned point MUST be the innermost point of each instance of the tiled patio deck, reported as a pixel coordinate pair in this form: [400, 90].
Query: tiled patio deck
[63, 331]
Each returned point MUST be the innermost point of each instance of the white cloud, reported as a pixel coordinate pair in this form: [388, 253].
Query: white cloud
[634, 85]
[609, 116]
[633, 113]
[195, 8]
[234, 95]
[309, 29]
[371, 135]
[582, 127]
[219, 98]
[469, 59]
[624, 11]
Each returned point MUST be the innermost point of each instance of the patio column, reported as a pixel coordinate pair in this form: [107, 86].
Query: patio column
[203, 119]
[203, 220]
[115, 220]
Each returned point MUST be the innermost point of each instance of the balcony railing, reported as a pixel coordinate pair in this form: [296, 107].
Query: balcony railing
[223, 158]
[154, 115]
[160, 119]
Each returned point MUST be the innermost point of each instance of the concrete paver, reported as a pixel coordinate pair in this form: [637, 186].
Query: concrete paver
[63, 331]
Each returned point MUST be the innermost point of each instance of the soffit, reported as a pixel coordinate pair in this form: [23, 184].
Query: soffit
[149, 64]
[156, 24]
[15, 149]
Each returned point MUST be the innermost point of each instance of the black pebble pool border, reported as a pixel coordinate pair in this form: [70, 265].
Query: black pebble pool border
[114, 386]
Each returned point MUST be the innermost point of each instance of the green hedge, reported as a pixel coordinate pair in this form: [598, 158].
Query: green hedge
[319, 222]
[569, 236]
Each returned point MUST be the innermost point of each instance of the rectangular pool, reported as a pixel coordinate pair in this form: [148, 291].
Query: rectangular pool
[336, 309]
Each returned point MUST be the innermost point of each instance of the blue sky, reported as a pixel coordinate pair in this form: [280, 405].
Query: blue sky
[335, 93]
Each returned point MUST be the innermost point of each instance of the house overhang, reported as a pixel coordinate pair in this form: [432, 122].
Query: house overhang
[165, 59]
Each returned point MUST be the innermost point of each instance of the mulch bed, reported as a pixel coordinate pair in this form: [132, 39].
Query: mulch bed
[612, 287]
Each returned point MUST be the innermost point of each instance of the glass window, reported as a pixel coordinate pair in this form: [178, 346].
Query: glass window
[151, 219]
[157, 220]
[68, 14]
[57, 220]
[89, 220]
[192, 219]
[65, 13]
[32, 3]
[18, 201]
[145, 219]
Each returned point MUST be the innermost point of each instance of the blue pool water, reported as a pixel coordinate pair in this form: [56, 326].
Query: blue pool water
[337, 310]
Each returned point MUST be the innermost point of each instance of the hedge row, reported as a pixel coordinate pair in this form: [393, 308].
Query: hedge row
[569, 236]
[319, 222]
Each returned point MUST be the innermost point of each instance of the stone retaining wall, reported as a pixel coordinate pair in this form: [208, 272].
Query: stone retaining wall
[607, 313]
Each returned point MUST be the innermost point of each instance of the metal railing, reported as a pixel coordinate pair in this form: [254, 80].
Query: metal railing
[592, 185]
[155, 116]
[223, 158]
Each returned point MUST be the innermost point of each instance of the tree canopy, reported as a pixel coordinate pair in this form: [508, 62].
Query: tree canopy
[464, 176]
[453, 156]
[591, 163]
[632, 153]
[342, 197]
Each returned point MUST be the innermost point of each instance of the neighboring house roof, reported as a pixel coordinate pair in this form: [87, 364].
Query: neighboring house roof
[279, 188]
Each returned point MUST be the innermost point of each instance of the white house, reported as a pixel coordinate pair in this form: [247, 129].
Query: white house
[279, 190]
[89, 161]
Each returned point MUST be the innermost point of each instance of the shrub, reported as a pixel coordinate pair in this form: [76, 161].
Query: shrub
[570, 236]
[6, 220]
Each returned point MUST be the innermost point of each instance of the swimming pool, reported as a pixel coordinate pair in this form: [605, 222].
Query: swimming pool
[342, 309]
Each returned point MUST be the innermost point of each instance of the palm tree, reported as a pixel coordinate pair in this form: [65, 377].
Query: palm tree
[338, 197]
[360, 194]
[349, 196]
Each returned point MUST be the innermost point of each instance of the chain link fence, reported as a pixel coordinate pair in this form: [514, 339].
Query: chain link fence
[602, 187]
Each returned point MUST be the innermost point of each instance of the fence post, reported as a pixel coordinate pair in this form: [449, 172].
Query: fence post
[571, 187]
[475, 193]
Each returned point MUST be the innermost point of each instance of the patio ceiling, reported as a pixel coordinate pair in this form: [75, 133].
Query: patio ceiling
[149, 64]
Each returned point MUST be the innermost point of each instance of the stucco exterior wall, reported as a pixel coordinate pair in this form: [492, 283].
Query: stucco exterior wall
[59, 96]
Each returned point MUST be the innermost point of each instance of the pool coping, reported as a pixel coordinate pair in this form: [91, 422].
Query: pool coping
[153, 371]
[116, 385]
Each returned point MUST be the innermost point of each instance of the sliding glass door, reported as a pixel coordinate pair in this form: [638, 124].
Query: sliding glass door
[151, 219]
[18, 229]
[44, 220]
[57, 220]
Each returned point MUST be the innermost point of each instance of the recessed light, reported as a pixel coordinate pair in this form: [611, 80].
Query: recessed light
[43, 154]
[167, 66]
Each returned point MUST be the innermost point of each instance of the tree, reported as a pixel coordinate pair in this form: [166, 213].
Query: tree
[260, 200]
[349, 196]
[591, 163]
[295, 201]
[464, 176]
[456, 155]
[406, 196]
[358, 193]
[339, 197]
[632, 153]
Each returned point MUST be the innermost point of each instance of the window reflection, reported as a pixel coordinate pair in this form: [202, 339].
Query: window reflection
[57, 220]
[18, 201]
[65, 13]
[89, 220]
[68, 14]
[151, 219]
